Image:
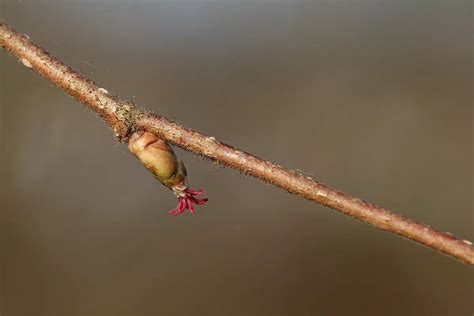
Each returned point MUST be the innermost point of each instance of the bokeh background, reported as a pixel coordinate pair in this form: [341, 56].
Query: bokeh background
[371, 97]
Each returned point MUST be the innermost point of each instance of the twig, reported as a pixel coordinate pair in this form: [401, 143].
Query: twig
[124, 118]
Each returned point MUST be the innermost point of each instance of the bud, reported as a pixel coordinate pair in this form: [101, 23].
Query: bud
[160, 159]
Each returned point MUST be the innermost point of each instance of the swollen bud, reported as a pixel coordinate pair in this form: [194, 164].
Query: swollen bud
[160, 159]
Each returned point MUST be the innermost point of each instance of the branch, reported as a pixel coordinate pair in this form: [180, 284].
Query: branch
[124, 118]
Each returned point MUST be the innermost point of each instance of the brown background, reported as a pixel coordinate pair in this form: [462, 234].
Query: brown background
[371, 97]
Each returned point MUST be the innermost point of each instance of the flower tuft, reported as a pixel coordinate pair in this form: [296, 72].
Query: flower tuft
[186, 199]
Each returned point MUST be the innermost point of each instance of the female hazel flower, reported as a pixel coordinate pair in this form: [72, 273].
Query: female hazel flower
[160, 159]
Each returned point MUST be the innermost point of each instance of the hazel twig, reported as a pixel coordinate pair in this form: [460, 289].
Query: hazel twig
[125, 118]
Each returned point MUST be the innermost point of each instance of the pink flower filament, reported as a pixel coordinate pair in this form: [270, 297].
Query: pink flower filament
[186, 201]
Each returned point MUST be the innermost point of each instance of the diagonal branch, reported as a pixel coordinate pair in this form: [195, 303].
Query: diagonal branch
[124, 118]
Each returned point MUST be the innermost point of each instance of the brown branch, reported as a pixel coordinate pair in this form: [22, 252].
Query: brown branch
[124, 118]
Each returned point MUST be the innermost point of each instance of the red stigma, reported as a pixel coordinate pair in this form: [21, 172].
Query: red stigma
[186, 201]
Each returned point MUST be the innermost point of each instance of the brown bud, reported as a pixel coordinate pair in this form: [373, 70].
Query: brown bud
[159, 158]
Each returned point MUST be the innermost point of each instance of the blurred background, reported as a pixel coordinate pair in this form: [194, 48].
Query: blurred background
[371, 97]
